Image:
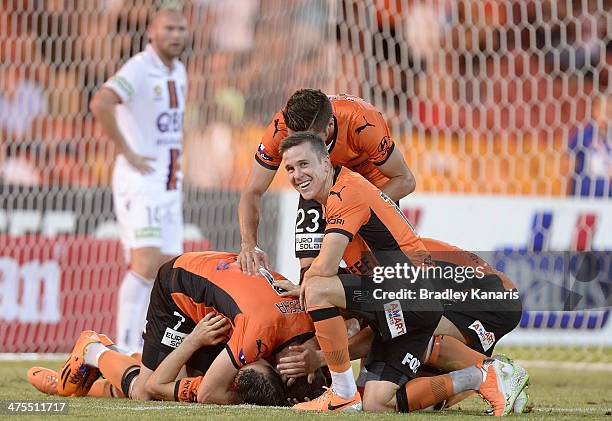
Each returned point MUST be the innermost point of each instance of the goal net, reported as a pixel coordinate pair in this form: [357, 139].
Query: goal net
[501, 108]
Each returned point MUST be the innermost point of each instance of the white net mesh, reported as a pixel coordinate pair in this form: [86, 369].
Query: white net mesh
[491, 96]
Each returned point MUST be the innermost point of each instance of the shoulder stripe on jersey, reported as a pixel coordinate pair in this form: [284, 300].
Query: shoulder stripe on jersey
[172, 93]
[232, 358]
[265, 164]
[378, 164]
[340, 231]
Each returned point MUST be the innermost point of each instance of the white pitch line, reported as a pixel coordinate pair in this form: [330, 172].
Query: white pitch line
[567, 365]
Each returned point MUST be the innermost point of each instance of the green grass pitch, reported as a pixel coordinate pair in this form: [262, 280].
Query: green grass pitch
[555, 394]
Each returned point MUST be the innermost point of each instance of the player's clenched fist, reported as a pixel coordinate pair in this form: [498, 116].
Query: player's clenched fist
[251, 259]
[211, 330]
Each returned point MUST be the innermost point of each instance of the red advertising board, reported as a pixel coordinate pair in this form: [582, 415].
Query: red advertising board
[52, 288]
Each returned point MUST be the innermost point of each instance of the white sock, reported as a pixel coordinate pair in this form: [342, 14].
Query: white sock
[344, 383]
[468, 378]
[133, 302]
[92, 353]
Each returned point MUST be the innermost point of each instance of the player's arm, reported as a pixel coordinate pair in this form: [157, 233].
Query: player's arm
[103, 106]
[376, 141]
[259, 180]
[401, 180]
[327, 262]
[217, 384]
[209, 331]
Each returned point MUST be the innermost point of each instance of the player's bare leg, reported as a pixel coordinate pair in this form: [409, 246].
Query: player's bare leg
[497, 382]
[324, 298]
[133, 297]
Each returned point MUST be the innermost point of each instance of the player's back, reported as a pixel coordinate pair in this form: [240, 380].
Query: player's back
[355, 206]
[262, 320]
[361, 140]
[447, 254]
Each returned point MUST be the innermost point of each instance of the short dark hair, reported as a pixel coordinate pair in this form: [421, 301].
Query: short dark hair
[298, 138]
[301, 389]
[261, 388]
[307, 109]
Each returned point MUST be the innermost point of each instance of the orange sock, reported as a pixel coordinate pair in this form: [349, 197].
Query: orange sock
[102, 388]
[423, 392]
[113, 366]
[450, 354]
[332, 336]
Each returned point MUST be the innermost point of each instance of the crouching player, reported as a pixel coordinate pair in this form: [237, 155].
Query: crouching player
[199, 291]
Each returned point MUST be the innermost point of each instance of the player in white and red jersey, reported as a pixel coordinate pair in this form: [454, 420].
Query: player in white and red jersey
[141, 109]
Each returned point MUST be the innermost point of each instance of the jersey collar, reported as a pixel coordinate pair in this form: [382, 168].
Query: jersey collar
[158, 61]
[331, 144]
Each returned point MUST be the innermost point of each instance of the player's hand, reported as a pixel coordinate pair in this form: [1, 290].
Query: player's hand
[211, 330]
[301, 361]
[139, 162]
[251, 259]
[291, 289]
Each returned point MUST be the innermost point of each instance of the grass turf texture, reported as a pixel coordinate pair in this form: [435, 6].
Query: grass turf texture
[557, 395]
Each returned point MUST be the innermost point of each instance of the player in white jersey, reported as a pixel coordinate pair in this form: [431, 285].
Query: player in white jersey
[141, 110]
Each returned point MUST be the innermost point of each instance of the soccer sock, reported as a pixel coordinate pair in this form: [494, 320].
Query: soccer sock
[467, 379]
[93, 351]
[423, 392]
[114, 365]
[133, 301]
[333, 340]
[102, 388]
[450, 354]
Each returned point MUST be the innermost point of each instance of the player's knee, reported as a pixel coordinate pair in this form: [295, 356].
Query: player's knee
[316, 292]
[149, 390]
[376, 402]
[146, 266]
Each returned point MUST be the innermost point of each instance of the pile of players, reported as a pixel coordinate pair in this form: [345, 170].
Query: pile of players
[225, 328]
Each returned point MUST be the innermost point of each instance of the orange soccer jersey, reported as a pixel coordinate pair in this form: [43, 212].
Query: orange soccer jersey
[355, 207]
[262, 321]
[360, 142]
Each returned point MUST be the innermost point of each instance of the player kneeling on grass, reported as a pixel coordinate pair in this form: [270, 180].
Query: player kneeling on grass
[204, 290]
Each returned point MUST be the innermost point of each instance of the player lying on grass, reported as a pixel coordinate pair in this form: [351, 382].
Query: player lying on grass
[356, 136]
[354, 207]
[186, 291]
[479, 324]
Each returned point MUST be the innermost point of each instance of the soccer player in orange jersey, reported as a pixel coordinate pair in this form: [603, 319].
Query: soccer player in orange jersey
[353, 206]
[199, 292]
[357, 137]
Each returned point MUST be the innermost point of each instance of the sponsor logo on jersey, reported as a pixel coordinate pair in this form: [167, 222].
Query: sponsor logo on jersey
[276, 129]
[173, 338]
[289, 307]
[223, 266]
[359, 129]
[262, 348]
[123, 84]
[337, 193]
[487, 339]
[148, 232]
[157, 93]
[170, 122]
[241, 357]
[335, 220]
[412, 362]
[305, 242]
[395, 318]
[263, 155]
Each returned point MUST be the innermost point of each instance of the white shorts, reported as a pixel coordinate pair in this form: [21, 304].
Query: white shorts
[149, 219]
